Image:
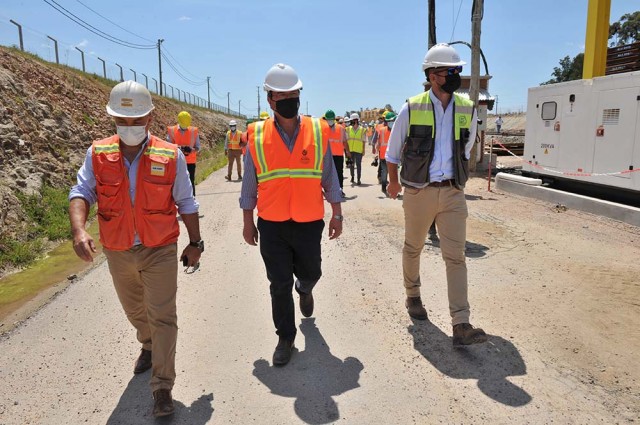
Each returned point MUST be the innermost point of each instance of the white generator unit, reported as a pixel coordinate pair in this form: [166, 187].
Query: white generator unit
[586, 131]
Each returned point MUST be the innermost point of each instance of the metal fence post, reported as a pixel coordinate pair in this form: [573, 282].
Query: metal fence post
[82, 54]
[146, 81]
[156, 81]
[121, 74]
[55, 44]
[19, 33]
[104, 68]
[135, 76]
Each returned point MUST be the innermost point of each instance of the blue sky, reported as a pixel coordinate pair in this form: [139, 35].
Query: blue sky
[348, 54]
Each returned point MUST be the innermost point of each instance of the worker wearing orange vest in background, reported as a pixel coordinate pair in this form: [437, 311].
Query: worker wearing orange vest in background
[138, 180]
[288, 169]
[339, 147]
[233, 144]
[380, 143]
[188, 139]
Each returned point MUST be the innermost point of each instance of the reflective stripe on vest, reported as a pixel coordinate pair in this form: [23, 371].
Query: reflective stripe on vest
[354, 139]
[185, 138]
[334, 137]
[234, 139]
[153, 215]
[289, 182]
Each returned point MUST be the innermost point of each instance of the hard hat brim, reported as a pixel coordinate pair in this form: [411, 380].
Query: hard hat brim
[138, 114]
[296, 86]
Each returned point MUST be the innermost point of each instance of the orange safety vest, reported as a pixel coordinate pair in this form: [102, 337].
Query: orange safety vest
[153, 214]
[234, 139]
[289, 183]
[334, 137]
[383, 138]
[370, 132]
[185, 138]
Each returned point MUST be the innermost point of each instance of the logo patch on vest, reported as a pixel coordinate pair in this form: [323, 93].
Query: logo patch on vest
[304, 158]
[462, 120]
[157, 169]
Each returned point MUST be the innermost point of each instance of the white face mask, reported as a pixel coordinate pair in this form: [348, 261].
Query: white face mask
[132, 135]
[331, 122]
[390, 124]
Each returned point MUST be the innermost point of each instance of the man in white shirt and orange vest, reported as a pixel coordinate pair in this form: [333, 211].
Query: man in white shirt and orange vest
[339, 147]
[188, 139]
[233, 144]
[288, 169]
[137, 181]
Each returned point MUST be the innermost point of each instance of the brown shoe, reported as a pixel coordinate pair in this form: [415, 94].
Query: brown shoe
[415, 308]
[163, 405]
[282, 355]
[143, 363]
[306, 304]
[227, 178]
[465, 334]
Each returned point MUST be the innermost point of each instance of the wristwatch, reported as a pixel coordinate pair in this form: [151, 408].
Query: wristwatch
[338, 217]
[198, 244]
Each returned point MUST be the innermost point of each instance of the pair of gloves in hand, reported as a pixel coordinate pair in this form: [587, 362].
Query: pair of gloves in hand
[186, 150]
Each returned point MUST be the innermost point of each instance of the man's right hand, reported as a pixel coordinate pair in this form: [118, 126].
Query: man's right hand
[250, 234]
[394, 189]
[83, 245]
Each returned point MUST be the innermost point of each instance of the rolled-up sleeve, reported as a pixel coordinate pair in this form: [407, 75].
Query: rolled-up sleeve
[85, 187]
[249, 190]
[182, 189]
[398, 135]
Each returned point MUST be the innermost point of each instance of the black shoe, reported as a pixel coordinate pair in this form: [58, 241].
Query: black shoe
[352, 180]
[163, 405]
[143, 363]
[239, 178]
[282, 355]
[343, 195]
[306, 304]
[359, 183]
[465, 334]
[415, 308]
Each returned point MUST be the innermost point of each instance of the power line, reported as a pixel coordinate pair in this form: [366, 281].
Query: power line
[95, 30]
[187, 80]
[456, 21]
[114, 23]
[178, 63]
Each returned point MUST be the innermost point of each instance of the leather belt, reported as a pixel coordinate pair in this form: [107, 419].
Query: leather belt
[443, 183]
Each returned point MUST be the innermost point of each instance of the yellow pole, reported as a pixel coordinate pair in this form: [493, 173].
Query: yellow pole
[595, 47]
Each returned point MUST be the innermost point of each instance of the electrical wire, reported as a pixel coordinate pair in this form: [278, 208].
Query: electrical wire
[187, 80]
[95, 30]
[178, 63]
[114, 23]
[456, 21]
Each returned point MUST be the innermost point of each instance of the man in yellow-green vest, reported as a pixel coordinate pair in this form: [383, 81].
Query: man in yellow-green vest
[356, 137]
[432, 138]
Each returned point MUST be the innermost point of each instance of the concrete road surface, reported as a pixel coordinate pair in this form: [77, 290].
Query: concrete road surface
[360, 359]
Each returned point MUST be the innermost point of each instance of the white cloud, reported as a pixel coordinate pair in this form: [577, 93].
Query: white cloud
[184, 18]
[83, 43]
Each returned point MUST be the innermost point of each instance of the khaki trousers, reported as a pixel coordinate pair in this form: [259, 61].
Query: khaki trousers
[448, 207]
[145, 280]
[234, 155]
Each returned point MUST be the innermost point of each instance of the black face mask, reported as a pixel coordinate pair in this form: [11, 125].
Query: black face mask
[452, 83]
[288, 108]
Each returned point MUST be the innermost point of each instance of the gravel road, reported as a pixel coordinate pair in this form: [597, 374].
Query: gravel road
[557, 291]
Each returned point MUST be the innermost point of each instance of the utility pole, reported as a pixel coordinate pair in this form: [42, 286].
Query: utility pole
[258, 87]
[474, 88]
[307, 107]
[228, 103]
[160, 40]
[432, 23]
[497, 105]
[239, 106]
[208, 94]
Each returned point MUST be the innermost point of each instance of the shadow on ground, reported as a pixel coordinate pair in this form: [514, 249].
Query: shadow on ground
[471, 249]
[313, 377]
[136, 404]
[490, 363]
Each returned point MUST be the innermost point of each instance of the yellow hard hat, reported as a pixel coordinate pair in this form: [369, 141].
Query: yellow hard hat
[184, 119]
[264, 115]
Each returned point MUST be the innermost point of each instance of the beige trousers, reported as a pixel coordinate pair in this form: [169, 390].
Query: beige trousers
[145, 280]
[234, 155]
[448, 207]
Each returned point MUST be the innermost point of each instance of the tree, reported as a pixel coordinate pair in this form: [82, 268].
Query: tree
[624, 31]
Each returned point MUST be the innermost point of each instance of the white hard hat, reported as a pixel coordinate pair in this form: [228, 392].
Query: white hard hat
[354, 117]
[282, 78]
[129, 100]
[232, 122]
[441, 55]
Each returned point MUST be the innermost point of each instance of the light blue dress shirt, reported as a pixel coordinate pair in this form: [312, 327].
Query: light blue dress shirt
[330, 185]
[182, 191]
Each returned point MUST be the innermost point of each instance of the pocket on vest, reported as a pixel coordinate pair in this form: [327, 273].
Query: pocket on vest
[157, 197]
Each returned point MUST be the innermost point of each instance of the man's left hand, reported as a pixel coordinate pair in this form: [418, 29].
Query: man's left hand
[192, 254]
[335, 228]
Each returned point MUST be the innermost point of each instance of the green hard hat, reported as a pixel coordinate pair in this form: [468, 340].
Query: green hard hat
[330, 115]
[390, 116]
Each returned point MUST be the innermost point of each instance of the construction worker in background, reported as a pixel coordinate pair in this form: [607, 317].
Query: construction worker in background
[188, 139]
[339, 148]
[381, 141]
[264, 115]
[356, 139]
[233, 149]
[139, 229]
[432, 138]
[288, 168]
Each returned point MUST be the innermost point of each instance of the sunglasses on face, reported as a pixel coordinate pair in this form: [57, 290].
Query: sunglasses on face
[449, 71]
